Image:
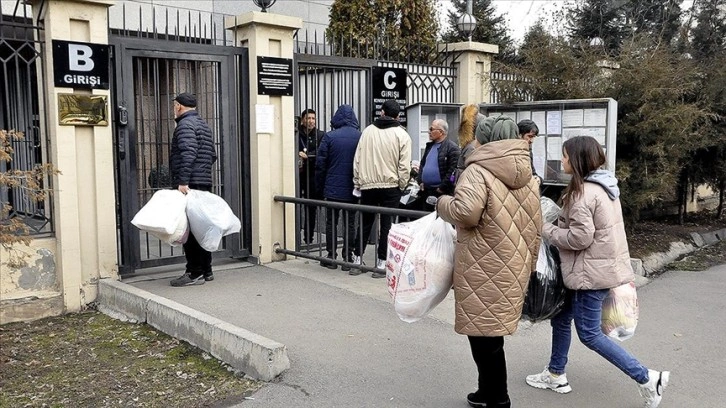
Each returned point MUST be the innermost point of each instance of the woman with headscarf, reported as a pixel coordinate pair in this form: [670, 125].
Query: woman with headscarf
[498, 219]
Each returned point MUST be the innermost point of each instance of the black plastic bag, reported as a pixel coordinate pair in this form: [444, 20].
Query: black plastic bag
[546, 292]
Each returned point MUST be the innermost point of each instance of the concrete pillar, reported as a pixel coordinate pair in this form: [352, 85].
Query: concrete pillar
[474, 64]
[273, 155]
[84, 199]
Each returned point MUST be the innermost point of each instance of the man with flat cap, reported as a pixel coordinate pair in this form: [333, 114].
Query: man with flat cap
[191, 160]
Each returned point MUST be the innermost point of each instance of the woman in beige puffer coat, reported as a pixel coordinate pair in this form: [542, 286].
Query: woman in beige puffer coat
[496, 211]
[594, 256]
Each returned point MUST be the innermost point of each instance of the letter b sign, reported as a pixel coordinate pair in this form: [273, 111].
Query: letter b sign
[80, 65]
[79, 57]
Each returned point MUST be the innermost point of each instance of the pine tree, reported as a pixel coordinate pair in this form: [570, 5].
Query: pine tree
[709, 34]
[602, 19]
[657, 18]
[398, 29]
[490, 27]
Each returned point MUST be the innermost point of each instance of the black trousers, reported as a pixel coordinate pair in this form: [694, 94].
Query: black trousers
[310, 212]
[488, 353]
[379, 197]
[199, 260]
[426, 193]
[331, 231]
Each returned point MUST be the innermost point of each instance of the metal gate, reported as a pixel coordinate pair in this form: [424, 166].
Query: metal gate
[149, 73]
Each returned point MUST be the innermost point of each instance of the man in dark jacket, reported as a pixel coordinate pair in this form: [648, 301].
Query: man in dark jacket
[528, 131]
[191, 160]
[334, 180]
[438, 164]
[309, 138]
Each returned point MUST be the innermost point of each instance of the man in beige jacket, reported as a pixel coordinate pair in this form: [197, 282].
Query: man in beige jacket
[381, 169]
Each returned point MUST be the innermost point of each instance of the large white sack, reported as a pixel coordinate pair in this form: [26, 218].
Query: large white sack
[179, 236]
[161, 214]
[210, 218]
[420, 265]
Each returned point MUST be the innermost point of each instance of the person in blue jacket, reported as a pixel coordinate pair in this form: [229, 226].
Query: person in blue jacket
[334, 180]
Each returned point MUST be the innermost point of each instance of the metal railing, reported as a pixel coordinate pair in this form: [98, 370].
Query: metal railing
[314, 251]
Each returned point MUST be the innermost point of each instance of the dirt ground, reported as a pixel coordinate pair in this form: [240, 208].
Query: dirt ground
[90, 360]
[656, 235]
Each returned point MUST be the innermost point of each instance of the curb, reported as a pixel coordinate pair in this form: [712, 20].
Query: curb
[255, 355]
[659, 260]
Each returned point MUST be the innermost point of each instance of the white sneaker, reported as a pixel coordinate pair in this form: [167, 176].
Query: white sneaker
[652, 391]
[547, 380]
[381, 264]
[356, 260]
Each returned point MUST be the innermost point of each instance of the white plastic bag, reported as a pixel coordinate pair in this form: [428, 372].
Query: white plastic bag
[210, 218]
[620, 312]
[550, 210]
[179, 236]
[420, 265]
[162, 213]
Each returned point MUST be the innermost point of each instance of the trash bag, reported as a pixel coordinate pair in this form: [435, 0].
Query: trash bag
[550, 210]
[620, 312]
[546, 291]
[420, 265]
[210, 218]
[162, 212]
[165, 217]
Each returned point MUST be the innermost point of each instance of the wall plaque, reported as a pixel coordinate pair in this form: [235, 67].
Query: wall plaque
[274, 76]
[82, 110]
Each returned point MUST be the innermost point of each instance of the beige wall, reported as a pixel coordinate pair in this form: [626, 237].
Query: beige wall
[84, 217]
[272, 154]
[474, 64]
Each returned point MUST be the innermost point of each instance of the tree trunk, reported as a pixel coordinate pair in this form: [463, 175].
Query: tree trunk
[721, 188]
[682, 196]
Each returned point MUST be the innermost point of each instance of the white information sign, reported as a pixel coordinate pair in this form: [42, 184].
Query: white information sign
[265, 119]
[596, 117]
[554, 123]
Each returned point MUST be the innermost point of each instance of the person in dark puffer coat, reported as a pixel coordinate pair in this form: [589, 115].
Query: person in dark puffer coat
[334, 179]
[191, 160]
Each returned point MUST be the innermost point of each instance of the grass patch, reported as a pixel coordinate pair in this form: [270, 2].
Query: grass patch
[88, 359]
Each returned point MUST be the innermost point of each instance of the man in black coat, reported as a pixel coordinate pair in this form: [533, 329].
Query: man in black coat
[309, 138]
[438, 164]
[191, 160]
[334, 180]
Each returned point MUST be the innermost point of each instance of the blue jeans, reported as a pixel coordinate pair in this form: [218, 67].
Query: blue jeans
[585, 307]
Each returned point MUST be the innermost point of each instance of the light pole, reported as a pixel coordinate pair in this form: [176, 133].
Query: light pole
[466, 24]
[264, 4]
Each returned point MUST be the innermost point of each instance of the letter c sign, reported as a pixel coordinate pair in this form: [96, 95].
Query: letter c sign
[388, 79]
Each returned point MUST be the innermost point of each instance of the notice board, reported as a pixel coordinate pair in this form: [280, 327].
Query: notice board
[558, 121]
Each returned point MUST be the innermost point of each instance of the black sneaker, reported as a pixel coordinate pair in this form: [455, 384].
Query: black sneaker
[187, 280]
[475, 400]
[328, 264]
[209, 276]
[378, 275]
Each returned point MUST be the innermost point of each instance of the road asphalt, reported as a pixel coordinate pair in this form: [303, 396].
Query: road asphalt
[348, 348]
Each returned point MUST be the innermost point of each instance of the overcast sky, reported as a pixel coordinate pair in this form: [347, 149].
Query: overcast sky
[521, 14]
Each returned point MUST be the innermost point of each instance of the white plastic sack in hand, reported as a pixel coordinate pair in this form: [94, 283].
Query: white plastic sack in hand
[179, 236]
[210, 218]
[162, 213]
[420, 265]
[620, 312]
[550, 210]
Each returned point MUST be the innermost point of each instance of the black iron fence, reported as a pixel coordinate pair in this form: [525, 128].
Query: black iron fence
[22, 90]
[317, 249]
